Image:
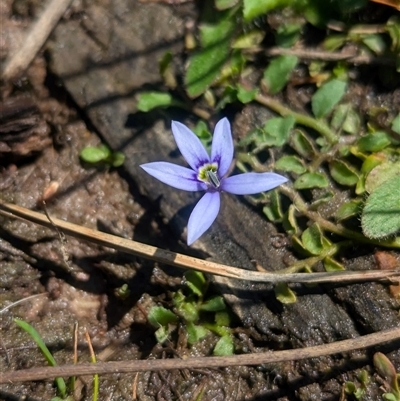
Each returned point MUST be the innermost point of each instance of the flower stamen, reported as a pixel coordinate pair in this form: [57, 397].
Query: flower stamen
[208, 174]
[213, 179]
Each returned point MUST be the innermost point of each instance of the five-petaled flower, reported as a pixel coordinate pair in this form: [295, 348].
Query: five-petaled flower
[208, 173]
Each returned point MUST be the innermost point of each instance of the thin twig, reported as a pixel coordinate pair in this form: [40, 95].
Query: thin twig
[302, 119]
[188, 262]
[41, 373]
[34, 38]
[315, 54]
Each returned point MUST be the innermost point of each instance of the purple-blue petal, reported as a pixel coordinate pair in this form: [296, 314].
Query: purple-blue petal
[189, 145]
[203, 215]
[222, 146]
[251, 183]
[176, 176]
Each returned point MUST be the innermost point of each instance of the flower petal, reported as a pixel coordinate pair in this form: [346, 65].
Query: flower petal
[190, 146]
[203, 215]
[251, 183]
[222, 146]
[174, 175]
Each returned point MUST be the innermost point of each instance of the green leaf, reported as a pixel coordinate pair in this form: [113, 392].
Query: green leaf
[222, 318]
[381, 214]
[278, 72]
[380, 174]
[62, 388]
[117, 159]
[290, 163]
[188, 310]
[374, 142]
[249, 40]
[375, 43]
[345, 118]
[350, 388]
[348, 209]
[162, 334]
[312, 239]
[384, 367]
[213, 304]
[273, 211]
[205, 65]
[277, 130]
[288, 34]
[393, 29]
[302, 145]
[311, 180]
[332, 265]
[160, 316]
[225, 4]
[195, 332]
[95, 154]
[284, 294]
[289, 221]
[224, 346]
[390, 397]
[196, 282]
[343, 173]
[327, 96]
[255, 8]
[396, 124]
[150, 100]
[246, 95]
[334, 42]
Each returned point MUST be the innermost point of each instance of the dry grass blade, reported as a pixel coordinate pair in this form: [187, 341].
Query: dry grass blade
[202, 362]
[188, 262]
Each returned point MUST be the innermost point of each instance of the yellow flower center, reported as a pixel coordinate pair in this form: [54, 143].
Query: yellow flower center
[208, 174]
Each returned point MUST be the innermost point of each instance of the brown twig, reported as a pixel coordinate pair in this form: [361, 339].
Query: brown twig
[188, 262]
[314, 54]
[201, 362]
[34, 39]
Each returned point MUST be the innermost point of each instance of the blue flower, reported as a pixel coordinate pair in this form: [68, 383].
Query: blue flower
[208, 173]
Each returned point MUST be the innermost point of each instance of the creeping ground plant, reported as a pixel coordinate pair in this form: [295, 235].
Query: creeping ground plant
[208, 173]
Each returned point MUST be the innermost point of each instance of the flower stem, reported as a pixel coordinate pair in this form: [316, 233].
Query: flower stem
[302, 119]
[327, 225]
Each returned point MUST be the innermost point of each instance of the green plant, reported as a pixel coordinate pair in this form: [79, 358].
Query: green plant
[197, 313]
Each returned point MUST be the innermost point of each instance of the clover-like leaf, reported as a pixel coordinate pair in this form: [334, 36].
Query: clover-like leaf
[312, 239]
[343, 173]
[348, 209]
[381, 173]
[255, 8]
[278, 73]
[381, 214]
[331, 265]
[195, 332]
[327, 96]
[284, 294]
[373, 142]
[214, 304]
[196, 282]
[95, 154]
[224, 346]
[311, 180]
[160, 316]
[289, 221]
[150, 100]
[302, 144]
[277, 130]
[273, 211]
[291, 163]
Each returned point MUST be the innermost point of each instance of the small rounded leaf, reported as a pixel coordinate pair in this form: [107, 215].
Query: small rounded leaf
[311, 180]
[381, 214]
